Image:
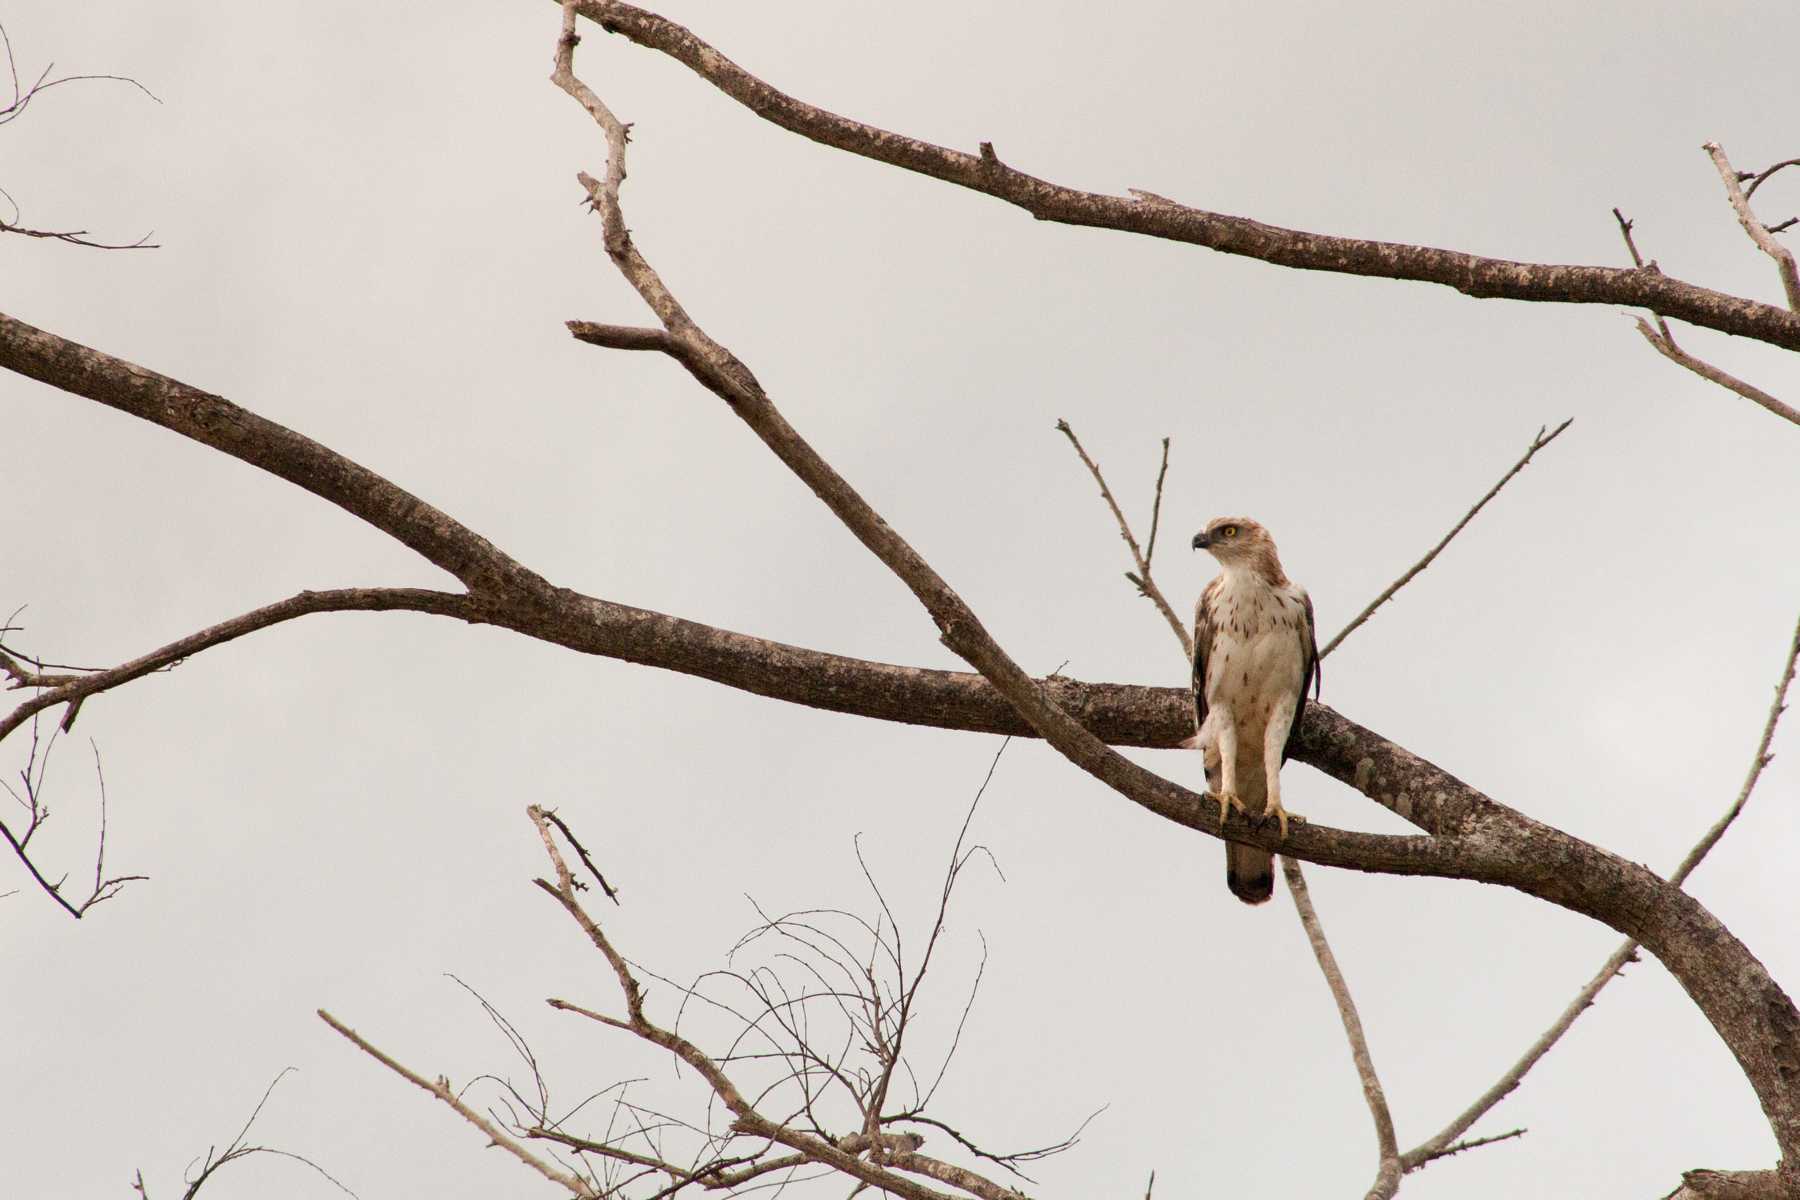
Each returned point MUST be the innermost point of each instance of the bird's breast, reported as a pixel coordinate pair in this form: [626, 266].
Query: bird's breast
[1258, 650]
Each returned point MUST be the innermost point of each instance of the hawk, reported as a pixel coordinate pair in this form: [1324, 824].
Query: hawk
[1255, 654]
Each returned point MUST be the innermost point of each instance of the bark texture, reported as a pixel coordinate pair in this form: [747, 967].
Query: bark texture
[1154, 216]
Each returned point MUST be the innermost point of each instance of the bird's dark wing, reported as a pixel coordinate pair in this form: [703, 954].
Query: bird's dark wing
[1311, 674]
[1203, 638]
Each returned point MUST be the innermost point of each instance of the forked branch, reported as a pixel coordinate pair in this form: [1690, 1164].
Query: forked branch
[1662, 340]
[1141, 578]
[30, 797]
[1160, 217]
[1485, 840]
[1758, 232]
[21, 100]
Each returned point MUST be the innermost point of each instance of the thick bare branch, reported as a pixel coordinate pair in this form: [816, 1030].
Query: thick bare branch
[1759, 233]
[1486, 840]
[1478, 839]
[1470, 274]
[216, 422]
[1731, 1185]
[1537, 443]
[1625, 228]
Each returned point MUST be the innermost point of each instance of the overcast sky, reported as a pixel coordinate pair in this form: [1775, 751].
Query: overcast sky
[370, 232]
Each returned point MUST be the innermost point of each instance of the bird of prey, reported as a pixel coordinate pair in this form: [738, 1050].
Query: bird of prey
[1255, 654]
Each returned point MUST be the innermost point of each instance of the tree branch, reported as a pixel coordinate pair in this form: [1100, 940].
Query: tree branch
[80, 237]
[1662, 340]
[1537, 443]
[1759, 233]
[1440, 1144]
[1146, 586]
[1470, 274]
[441, 1089]
[1388, 1170]
[1387, 1175]
[839, 1155]
[1637, 260]
[1731, 1185]
[1666, 347]
[216, 422]
[1482, 839]
[74, 690]
[1476, 838]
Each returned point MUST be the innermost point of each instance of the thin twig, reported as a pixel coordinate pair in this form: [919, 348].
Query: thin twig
[1537, 443]
[80, 237]
[1437, 1145]
[1388, 1173]
[74, 689]
[1162, 473]
[441, 1089]
[1146, 586]
[37, 813]
[21, 99]
[1638, 259]
[611, 892]
[1759, 233]
[1472, 1143]
[1662, 340]
[1761, 177]
[1666, 347]
[1760, 760]
[238, 1149]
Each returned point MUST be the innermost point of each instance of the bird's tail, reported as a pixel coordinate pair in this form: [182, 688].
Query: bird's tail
[1249, 873]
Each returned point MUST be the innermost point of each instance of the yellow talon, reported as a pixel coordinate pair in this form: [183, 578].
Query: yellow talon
[1227, 802]
[1273, 809]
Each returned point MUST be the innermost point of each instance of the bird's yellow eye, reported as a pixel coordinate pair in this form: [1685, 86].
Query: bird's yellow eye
[1229, 531]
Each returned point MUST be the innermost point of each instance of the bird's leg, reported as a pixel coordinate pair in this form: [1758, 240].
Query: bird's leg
[1275, 736]
[1225, 738]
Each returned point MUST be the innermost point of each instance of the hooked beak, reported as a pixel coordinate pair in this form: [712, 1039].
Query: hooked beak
[1201, 541]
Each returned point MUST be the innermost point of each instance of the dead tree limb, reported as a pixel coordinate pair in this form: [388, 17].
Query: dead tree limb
[1747, 1008]
[1471, 274]
[1537, 443]
[1440, 1143]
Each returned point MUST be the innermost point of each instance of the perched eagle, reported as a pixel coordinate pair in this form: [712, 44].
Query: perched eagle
[1255, 654]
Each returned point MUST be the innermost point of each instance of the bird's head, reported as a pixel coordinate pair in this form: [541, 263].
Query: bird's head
[1235, 541]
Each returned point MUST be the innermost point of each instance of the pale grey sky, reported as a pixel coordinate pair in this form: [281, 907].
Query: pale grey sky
[370, 233]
